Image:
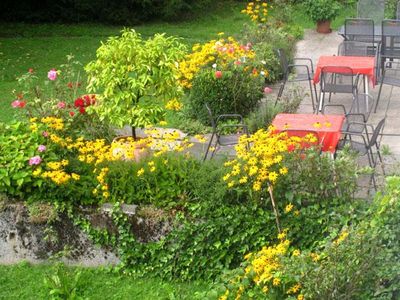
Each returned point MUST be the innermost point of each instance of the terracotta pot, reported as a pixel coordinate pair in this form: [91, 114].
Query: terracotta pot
[139, 152]
[324, 26]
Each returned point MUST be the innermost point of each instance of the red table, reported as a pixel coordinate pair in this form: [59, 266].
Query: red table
[328, 127]
[359, 64]
[362, 65]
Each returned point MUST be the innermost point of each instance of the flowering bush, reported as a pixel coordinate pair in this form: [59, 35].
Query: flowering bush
[57, 97]
[224, 74]
[257, 11]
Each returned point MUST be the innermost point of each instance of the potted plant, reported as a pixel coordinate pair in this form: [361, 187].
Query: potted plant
[322, 12]
[134, 78]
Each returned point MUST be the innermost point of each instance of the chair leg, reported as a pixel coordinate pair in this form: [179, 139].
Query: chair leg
[280, 92]
[321, 101]
[209, 145]
[379, 96]
[214, 150]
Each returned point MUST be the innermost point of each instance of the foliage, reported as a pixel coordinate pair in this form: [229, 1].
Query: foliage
[235, 92]
[267, 39]
[162, 180]
[18, 144]
[115, 12]
[263, 115]
[63, 283]
[357, 262]
[322, 10]
[135, 78]
[59, 96]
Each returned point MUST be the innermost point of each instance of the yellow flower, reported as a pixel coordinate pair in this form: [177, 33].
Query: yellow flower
[317, 125]
[300, 297]
[296, 252]
[288, 208]
[220, 33]
[163, 123]
[75, 176]
[106, 194]
[282, 236]
[140, 172]
[276, 281]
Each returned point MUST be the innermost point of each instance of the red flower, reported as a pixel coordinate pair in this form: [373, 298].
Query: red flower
[71, 113]
[22, 104]
[218, 74]
[79, 102]
[291, 148]
[238, 62]
[82, 110]
[30, 70]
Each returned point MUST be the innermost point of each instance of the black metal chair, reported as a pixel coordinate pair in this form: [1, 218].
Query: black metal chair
[337, 79]
[364, 144]
[291, 73]
[390, 76]
[357, 117]
[360, 30]
[372, 9]
[218, 136]
[390, 48]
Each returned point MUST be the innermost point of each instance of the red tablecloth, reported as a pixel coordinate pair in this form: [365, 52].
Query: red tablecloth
[359, 64]
[328, 127]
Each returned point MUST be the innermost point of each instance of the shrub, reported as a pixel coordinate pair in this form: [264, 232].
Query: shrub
[162, 180]
[234, 92]
[266, 40]
[322, 10]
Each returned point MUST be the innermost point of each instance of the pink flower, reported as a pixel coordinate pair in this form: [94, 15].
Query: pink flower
[218, 74]
[42, 148]
[15, 103]
[52, 74]
[18, 104]
[45, 134]
[61, 105]
[249, 45]
[35, 160]
[238, 62]
[30, 70]
[267, 90]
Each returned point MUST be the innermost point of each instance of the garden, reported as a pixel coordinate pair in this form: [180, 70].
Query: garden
[103, 133]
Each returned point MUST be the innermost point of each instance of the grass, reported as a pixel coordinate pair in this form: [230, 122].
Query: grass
[300, 17]
[25, 281]
[45, 46]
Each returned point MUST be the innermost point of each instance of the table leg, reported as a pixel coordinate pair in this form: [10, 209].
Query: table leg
[366, 91]
[321, 101]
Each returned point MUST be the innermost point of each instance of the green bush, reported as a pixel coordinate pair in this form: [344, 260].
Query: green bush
[322, 10]
[266, 40]
[164, 182]
[235, 92]
[18, 144]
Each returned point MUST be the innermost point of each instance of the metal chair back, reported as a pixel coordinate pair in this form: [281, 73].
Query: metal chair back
[390, 39]
[360, 29]
[211, 117]
[372, 9]
[353, 48]
[331, 84]
[284, 63]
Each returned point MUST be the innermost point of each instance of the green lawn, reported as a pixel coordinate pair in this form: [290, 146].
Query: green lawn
[25, 281]
[45, 46]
